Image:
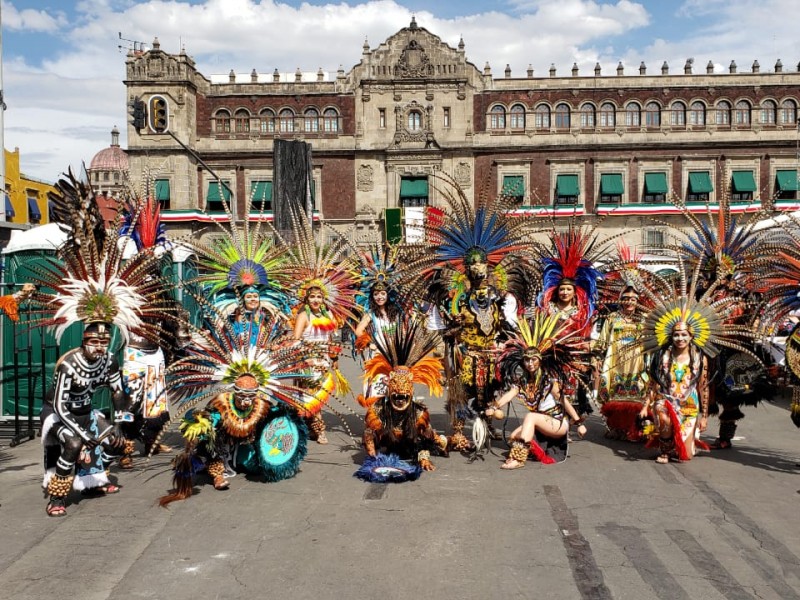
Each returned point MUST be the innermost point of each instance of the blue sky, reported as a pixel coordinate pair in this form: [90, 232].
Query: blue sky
[63, 70]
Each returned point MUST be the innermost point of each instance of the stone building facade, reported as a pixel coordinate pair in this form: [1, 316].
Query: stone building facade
[607, 146]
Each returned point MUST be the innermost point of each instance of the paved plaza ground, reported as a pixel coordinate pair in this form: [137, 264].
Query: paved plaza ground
[607, 523]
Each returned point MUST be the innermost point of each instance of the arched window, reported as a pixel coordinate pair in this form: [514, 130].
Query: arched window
[607, 115]
[287, 120]
[769, 112]
[677, 114]
[242, 120]
[543, 117]
[517, 117]
[742, 113]
[723, 113]
[789, 113]
[311, 120]
[633, 116]
[562, 116]
[697, 114]
[222, 121]
[497, 117]
[330, 120]
[652, 114]
[267, 120]
[587, 116]
[414, 120]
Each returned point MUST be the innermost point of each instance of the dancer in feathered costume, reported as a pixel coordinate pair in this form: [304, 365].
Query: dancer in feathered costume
[250, 404]
[569, 292]
[145, 361]
[728, 250]
[478, 247]
[323, 285]
[683, 334]
[396, 421]
[535, 364]
[379, 299]
[89, 284]
[243, 271]
[622, 375]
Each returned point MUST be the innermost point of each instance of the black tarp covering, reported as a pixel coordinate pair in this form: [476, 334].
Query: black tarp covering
[292, 182]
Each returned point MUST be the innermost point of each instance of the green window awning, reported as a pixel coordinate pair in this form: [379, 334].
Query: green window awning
[217, 192]
[743, 181]
[414, 187]
[655, 183]
[262, 191]
[162, 189]
[700, 182]
[611, 184]
[567, 185]
[513, 185]
[786, 181]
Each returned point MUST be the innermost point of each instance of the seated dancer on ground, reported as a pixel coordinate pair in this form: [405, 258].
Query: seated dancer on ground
[683, 334]
[248, 420]
[536, 363]
[396, 421]
[89, 284]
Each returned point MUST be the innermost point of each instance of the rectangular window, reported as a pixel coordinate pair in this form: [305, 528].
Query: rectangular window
[413, 191]
[514, 187]
[655, 188]
[700, 186]
[786, 185]
[261, 195]
[743, 186]
[446, 117]
[215, 195]
[34, 214]
[567, 189]
[162, 193]
[611, 188]
[382, 118]
[653, 237]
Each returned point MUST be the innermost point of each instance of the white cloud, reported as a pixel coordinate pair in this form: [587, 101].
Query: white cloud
[32, 20]
[81, 90]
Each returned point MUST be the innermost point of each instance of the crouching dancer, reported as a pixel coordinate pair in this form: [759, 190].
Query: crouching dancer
[73, 432]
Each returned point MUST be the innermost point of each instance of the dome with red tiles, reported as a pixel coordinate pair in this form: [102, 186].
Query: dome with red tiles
[112, 158]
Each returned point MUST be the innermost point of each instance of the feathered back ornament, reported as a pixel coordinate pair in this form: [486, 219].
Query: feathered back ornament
[407, 352]
[89, 282]
[141, 222]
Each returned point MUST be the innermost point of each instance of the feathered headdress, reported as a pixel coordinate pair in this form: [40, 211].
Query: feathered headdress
[709, 322]
[90, 283]
[327, 267]
[220, 357]
[141, 222]
[405, 358]
[544, 336]
[572, 255]
[464, 232]
[378, 270]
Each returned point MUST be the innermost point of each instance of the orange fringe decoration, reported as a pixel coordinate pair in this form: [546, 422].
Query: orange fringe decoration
[622, 415]
[539, 453]
[427, 371]
[8, 305]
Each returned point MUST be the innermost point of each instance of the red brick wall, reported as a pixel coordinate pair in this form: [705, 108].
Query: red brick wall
[338, 187]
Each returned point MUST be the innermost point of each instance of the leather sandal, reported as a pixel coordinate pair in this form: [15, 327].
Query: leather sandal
[662, 459]
[56, 509]
[720, 444]
[512, 464]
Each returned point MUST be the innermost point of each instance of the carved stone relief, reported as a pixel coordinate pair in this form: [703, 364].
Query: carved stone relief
[463, 174]
[414, 62]
[364, 179]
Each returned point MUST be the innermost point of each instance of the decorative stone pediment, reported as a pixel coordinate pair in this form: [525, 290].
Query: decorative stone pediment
[414, 62]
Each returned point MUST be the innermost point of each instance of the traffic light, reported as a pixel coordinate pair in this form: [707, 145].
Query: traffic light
[158, 114]
[138, 111]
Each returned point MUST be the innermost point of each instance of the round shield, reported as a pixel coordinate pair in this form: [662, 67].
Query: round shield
[793, 351]
[281, 444]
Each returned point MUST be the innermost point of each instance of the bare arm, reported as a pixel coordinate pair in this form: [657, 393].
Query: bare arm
[300, 325]
[363, 324]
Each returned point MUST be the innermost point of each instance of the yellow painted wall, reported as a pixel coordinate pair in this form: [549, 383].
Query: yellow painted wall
[20, 187]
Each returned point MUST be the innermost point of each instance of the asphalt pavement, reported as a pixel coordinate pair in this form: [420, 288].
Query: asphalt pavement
[607, 523]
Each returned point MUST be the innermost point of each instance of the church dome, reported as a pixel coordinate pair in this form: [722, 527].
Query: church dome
[112, 158]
